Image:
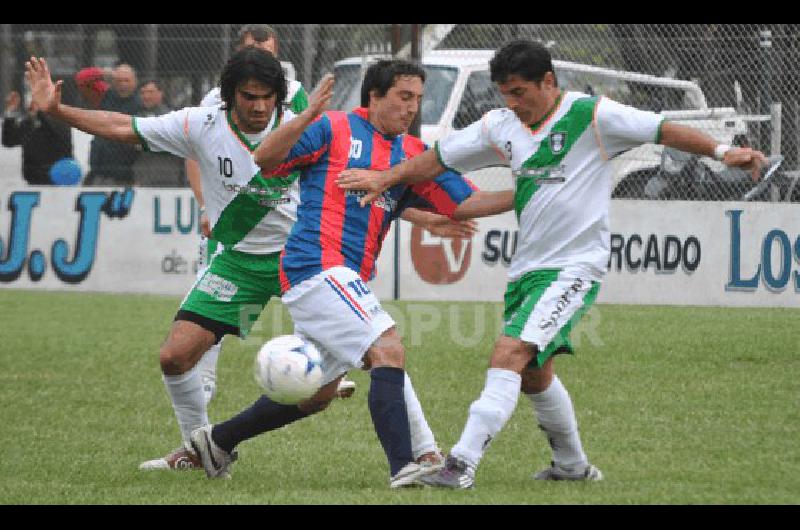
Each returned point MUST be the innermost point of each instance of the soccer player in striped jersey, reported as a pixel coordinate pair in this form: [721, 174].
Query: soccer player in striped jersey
[250, 217]
[558, 145]
[331, 254]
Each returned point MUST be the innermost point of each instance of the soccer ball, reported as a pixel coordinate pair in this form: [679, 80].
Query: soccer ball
[288, 369]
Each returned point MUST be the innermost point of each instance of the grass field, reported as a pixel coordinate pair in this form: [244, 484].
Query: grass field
[675, 405]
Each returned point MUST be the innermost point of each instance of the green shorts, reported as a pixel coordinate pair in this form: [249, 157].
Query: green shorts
[543, 306]
[229, 297]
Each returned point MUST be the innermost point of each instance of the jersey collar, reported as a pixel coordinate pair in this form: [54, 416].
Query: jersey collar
[273, 124]
[536, 126]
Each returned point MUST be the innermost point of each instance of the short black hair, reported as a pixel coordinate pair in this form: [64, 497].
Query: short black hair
[527, 59]
[382, 76]
[260, 33]
[255, 64]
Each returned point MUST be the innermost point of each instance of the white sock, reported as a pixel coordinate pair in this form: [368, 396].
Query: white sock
[208, 371]
[186, 393]
[556, 416]
[422, 439]
[488, 415]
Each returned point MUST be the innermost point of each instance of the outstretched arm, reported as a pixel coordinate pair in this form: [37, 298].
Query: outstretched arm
[439, 225]
[109, 125]
[425, 166]
[276, 146]
[485, 204]
[694, 141]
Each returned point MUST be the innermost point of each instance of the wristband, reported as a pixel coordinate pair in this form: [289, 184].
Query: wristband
[720, 150]
[202, 210]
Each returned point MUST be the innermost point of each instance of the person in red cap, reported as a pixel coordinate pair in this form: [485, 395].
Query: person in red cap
[92, 85]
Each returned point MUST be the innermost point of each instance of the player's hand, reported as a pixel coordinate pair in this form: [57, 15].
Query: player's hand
[13, 100]
[368, 181]
[319, 100]
[44, 94]
[442, 226]
[746, 158]
[205, 225]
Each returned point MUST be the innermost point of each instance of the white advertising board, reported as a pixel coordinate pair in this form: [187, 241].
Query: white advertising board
[675, 253]
[146, 241]
[98, 239]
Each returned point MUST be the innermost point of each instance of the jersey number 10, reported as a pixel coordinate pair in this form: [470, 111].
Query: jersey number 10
[225, 167]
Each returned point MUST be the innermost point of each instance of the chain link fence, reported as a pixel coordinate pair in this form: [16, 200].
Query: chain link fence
[738, 82]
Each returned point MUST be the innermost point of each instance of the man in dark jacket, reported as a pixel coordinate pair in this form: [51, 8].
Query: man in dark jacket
[44, 140]
[110, 163]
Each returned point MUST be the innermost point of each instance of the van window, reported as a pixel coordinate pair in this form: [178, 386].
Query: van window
[480, 96]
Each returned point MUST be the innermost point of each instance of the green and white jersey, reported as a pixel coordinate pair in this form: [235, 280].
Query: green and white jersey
[247, 213]
[562, 175]
[296, 97]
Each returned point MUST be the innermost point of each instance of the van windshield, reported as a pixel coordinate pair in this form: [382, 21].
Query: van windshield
[439, 84]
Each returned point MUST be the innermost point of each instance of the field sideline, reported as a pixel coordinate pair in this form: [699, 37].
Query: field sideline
[676, 406]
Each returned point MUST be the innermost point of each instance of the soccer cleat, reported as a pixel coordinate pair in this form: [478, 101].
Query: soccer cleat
[410, 475]
[215, 461]
[346, 388]
[180, 459]
[557, 472]
[455, 475]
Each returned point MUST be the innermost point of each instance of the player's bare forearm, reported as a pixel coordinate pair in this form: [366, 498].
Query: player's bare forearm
[687, 139]
[423, 167]
[439, 225]
[274, 149]
[694, 141]
[485, 204]
[113, 126]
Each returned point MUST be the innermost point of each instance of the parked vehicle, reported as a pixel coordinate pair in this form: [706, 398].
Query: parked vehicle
[458, 91]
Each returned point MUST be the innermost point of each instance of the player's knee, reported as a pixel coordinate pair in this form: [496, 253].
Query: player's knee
[388, 352]
[512, 354]
[173, 361]
[536, 380]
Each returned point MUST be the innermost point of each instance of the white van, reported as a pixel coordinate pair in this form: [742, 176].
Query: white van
[458, 91]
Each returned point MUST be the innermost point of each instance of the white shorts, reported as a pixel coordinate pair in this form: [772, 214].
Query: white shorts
[338, 312]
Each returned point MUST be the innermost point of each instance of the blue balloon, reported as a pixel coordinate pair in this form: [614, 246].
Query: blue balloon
[65, 172]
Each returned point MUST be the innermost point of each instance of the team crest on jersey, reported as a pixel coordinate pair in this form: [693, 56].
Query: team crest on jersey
[557, 142]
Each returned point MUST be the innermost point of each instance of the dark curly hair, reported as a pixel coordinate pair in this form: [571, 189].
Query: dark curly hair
[528, 59]
[253, 64]
[382, 76]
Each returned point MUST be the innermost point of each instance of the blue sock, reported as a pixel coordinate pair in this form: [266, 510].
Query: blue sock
[387, 407]
[262, 416]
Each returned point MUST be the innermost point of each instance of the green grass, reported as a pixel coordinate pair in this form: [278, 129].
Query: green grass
[675, 405]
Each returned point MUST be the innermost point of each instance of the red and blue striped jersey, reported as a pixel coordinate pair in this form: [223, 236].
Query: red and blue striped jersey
[332, 228]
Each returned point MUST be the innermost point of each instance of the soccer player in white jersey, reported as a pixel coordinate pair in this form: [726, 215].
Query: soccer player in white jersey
[558, 145]
[251, 218]
[263, 37]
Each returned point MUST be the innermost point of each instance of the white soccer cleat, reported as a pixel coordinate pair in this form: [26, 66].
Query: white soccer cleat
[410, 475]
[586, 472]
[215, 461]
[181, 459]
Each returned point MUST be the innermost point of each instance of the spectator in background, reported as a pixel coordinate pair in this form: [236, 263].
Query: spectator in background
[161, 170]
[111, 164]
[92, 86]
[44, 140]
